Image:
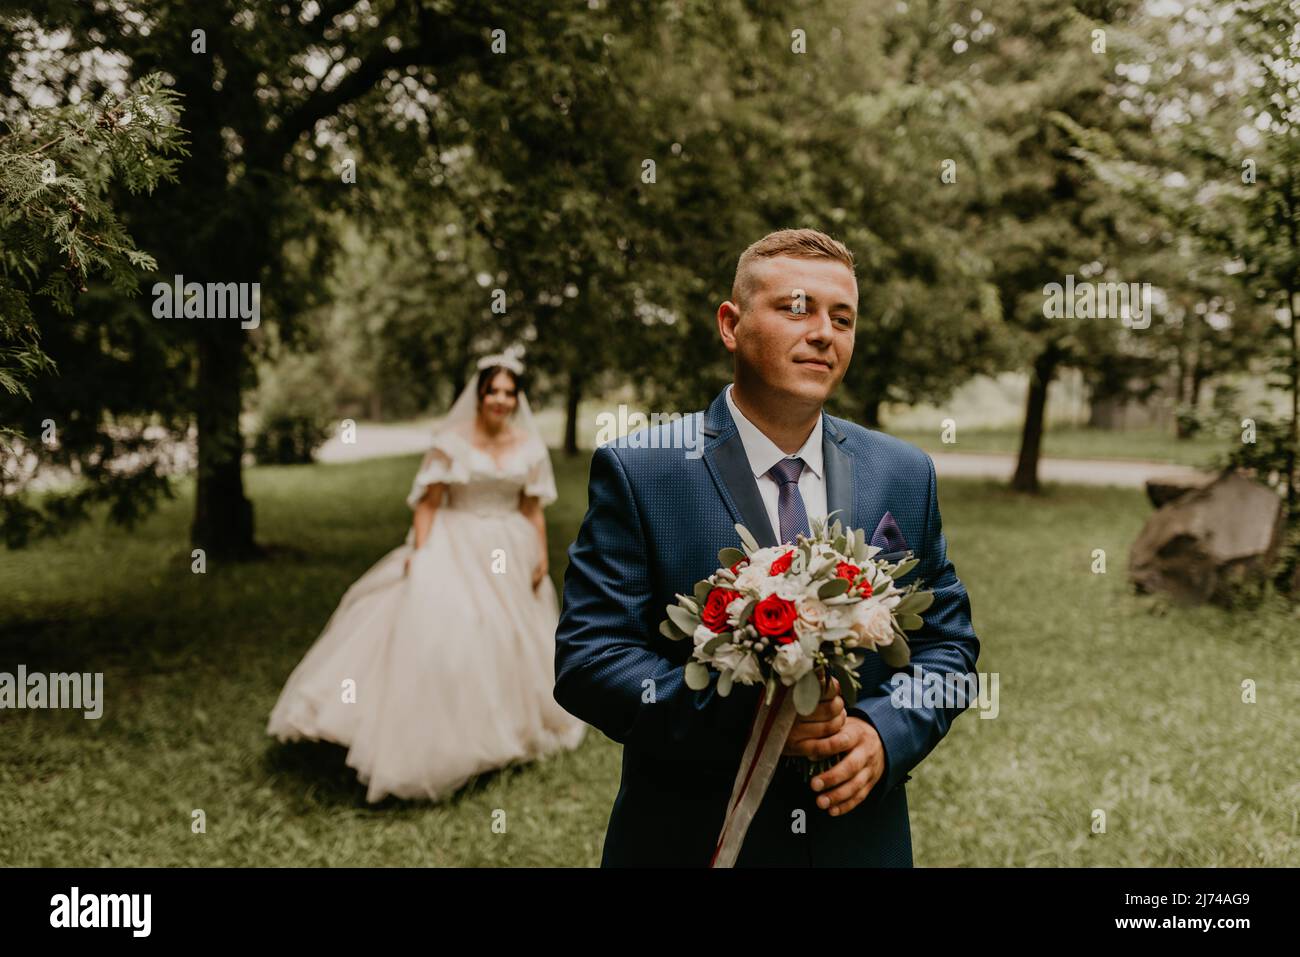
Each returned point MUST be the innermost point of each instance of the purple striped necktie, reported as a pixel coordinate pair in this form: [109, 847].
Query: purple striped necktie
[789, 503]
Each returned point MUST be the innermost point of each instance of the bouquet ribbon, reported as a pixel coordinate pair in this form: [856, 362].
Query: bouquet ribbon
[767, 735]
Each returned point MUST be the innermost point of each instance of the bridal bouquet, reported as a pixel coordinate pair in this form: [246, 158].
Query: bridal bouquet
[789, 617]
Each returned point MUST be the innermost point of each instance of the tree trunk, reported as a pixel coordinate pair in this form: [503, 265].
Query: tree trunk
[1031, 437]
[223, 515]
[573, 396]
[871, 413]
[1105, 412]
[1294, 370]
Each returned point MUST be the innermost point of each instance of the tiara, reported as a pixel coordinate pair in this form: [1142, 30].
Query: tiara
[501, 359]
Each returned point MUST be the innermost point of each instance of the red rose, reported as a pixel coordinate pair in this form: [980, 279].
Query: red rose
[850, 572]
[774, 617]
[714, 614]
[782, 564]
[743, 561]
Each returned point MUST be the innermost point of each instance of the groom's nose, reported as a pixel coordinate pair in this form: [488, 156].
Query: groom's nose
[820, 327]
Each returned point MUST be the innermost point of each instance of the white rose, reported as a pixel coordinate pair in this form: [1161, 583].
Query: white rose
[871, 623]
[747, 671]
[812, 610]
[750, 577]
[812, 617]
[703, 634]
[728, 657]
[734, 609]
[791, 588]
[791, 663]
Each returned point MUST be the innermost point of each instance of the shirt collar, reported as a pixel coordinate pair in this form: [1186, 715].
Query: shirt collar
[763, 453]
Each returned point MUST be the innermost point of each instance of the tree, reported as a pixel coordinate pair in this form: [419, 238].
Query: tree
[258, 81]
[59, 231]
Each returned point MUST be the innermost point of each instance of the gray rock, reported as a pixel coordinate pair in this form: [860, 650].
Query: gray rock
[1203, 544]
[1162, 491]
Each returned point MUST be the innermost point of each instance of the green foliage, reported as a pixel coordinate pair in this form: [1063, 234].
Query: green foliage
[294, 411]
[58, 225]
[207, 655]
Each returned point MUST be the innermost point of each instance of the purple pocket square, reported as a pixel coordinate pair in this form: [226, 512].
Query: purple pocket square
[888, 536]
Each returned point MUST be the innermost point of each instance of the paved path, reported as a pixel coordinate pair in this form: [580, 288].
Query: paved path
[374, 440]
[1124, 472]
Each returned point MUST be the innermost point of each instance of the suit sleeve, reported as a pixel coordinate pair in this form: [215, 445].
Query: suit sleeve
[945, 644]
[607, 671]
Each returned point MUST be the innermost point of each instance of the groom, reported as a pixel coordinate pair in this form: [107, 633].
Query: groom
[658, 512]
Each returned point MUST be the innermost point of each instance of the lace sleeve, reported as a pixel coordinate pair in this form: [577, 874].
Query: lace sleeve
[443, 464]
[540, 483]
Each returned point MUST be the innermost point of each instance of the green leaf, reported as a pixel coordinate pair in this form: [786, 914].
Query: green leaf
[849, 685]
[746, 610]
[669, 630]
[896, 654]
[751, 545]
[689, 604]
[904, 567]
[724, 683]
[910, 622]
[807, 692]
[683, 619]
[729, 556]
[914, 603]
[716, 642]
[832, 587]
[822, 567]
[697, 676]
[702, 589]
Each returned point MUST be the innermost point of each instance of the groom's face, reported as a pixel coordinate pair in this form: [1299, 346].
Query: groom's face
[794, 332]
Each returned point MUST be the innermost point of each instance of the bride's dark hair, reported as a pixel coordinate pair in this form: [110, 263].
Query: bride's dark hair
[486, 375]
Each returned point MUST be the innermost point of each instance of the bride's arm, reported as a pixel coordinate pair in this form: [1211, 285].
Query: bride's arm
[424, 513]
[531, 506]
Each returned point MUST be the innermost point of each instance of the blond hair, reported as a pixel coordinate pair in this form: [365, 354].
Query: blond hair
[797, 243]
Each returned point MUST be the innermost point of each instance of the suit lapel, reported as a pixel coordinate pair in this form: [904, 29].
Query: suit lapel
[837, 464]
[724, 454]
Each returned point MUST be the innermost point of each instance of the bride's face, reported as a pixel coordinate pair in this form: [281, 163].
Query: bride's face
[500, 400]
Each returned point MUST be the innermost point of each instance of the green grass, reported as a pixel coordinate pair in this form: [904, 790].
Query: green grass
[1107, 701]
[1078, 442]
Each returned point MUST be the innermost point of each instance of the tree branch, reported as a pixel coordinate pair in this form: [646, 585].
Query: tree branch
[449, 47]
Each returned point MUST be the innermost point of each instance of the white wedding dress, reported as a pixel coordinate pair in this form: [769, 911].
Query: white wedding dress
[436, 677]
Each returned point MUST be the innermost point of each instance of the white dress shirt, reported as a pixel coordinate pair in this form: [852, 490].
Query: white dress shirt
[763, 453]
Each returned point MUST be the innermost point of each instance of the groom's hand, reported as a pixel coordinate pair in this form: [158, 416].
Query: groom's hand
[847, 784]
[814, 735]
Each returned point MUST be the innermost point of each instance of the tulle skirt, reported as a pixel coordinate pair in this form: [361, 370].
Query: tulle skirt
[433, 678]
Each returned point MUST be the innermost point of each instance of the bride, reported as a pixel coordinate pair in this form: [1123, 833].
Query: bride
[438, 663]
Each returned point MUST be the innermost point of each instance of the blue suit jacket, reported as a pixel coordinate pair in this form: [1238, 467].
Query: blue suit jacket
[657, 515]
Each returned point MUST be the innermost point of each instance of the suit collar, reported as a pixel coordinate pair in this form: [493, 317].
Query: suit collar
[724, 453]
[763, 453]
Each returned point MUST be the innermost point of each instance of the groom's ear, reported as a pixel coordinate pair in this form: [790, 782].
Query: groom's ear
[728, 316]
